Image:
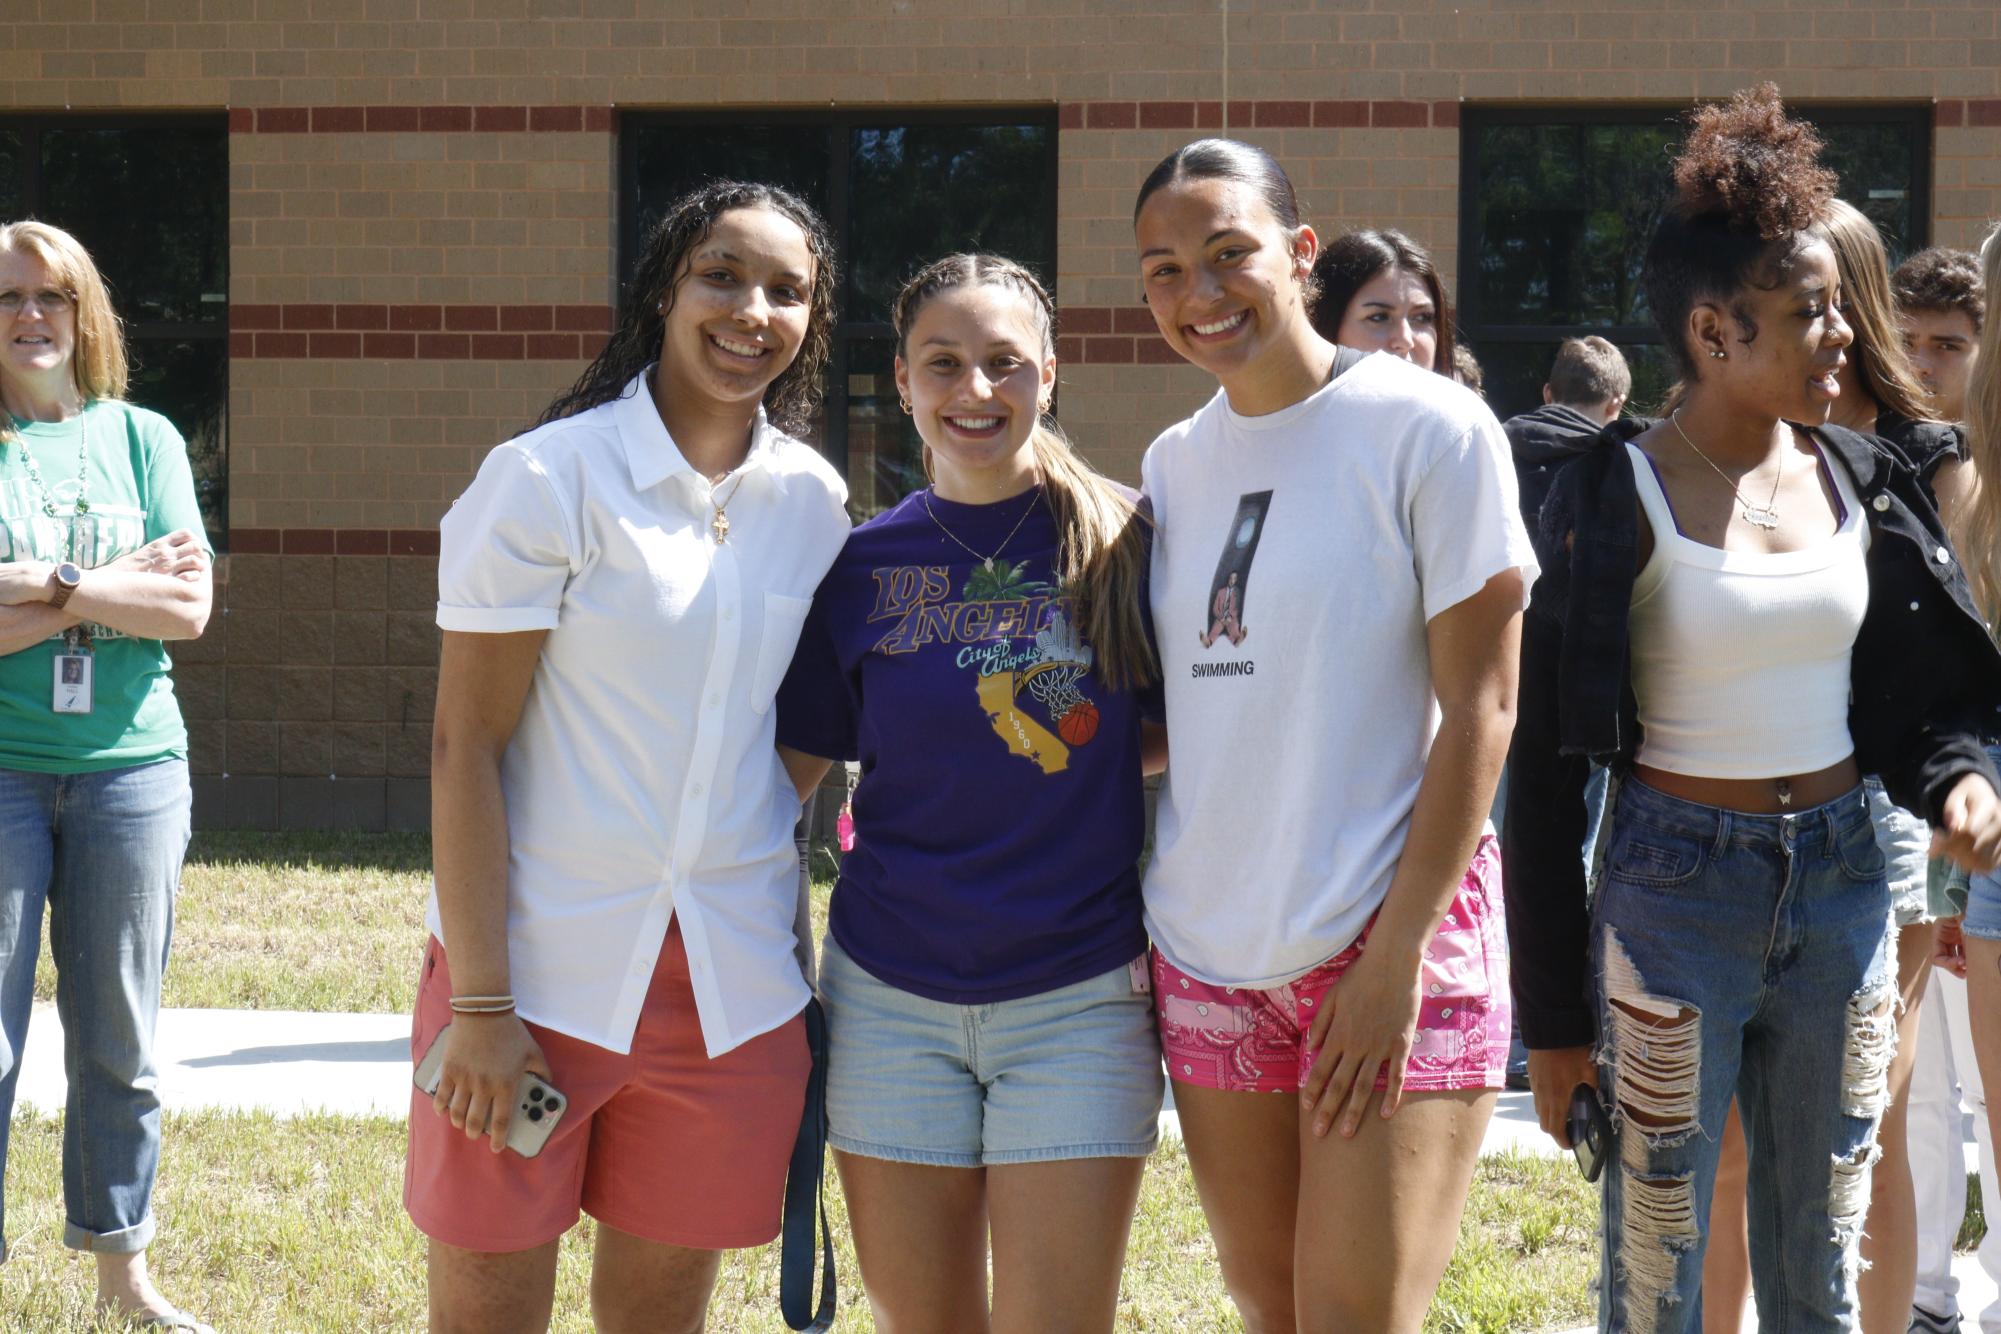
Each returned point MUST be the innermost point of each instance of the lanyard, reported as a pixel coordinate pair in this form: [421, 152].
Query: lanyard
[75, 637]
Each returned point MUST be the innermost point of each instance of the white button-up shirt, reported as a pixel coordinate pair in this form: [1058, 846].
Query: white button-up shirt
[642, 781]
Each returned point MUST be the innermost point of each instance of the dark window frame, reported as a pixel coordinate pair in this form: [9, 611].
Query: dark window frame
[838, 125]
[34, 202]
[1467, 315]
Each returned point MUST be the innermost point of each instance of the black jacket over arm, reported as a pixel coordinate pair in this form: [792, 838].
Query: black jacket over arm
[1924, 693]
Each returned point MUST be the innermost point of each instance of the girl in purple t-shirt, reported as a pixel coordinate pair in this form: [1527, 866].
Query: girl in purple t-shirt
[982, 650]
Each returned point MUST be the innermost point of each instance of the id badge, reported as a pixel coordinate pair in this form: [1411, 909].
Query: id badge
[73, 673]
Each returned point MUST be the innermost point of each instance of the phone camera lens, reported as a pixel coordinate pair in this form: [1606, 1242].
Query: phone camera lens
[553, 1104]
[534, 1113]
[534, 1095]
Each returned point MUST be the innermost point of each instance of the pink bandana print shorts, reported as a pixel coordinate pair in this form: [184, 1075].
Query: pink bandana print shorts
[1253, 1040]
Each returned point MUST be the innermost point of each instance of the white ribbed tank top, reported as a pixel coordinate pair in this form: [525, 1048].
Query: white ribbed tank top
[1740, 660]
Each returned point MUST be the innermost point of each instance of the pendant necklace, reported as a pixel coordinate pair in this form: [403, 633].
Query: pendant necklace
[720, 524]
[1765, 516]
[986, 562]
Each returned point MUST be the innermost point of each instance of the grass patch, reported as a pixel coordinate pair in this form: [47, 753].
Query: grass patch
[1973, 1227]
[298, 1225]
[295, 921]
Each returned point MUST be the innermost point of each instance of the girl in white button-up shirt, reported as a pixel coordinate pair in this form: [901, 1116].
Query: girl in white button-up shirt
[621, 589]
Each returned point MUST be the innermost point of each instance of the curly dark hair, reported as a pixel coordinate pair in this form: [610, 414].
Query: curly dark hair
[1350, 260]
[1941, 279]
[792, 399]
[1749, 192]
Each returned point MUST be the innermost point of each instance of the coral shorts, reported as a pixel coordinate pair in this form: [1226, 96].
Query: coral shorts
[1248, 1039]
[663, 1142]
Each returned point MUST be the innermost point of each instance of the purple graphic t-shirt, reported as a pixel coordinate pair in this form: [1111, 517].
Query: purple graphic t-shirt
[999, 818]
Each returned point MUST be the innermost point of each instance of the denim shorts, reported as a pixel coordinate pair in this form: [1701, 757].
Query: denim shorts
[1071, 1073]
[1906, 844]
[1983, 894]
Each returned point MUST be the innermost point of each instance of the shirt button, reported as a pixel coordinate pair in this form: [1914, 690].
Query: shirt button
[1881, 503]
[1942, 556]
[1914, 606]
[697, 789]
[715, 701]
[729, 613]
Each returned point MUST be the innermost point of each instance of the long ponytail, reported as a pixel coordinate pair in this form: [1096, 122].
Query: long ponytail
[1101, 537]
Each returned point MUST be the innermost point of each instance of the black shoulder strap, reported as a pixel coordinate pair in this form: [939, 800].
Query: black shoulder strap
[1345, 360]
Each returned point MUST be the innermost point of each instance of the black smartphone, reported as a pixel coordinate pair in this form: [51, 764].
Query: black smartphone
[1590, 1131]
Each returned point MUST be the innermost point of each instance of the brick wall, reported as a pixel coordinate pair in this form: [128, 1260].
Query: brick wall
[423, 206]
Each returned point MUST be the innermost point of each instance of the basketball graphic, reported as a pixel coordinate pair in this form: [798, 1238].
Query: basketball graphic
[1078, 725]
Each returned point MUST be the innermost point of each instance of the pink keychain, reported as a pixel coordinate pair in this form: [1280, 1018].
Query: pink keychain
[844, 827]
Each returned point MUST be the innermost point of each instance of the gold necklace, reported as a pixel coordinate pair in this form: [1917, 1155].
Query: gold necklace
[986, 562]
[1765, 516]
[720, 524]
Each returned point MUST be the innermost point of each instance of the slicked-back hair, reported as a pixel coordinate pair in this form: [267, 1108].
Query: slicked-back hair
[1100, 540]
[1226, 160]
[794, 396]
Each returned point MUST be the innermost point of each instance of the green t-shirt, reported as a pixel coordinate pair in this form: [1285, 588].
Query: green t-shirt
[140, 489]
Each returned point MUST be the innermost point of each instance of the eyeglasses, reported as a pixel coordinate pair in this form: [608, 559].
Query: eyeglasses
[51, 301]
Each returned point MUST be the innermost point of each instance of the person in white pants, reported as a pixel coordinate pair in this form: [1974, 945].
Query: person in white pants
[1945, 1072]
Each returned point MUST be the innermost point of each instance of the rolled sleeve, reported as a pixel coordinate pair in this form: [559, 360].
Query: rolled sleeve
[504, 550]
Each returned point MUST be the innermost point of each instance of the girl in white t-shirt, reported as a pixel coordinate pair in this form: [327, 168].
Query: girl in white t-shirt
[1317, 930]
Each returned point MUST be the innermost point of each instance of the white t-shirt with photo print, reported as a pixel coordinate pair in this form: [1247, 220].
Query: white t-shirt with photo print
[1299, 557]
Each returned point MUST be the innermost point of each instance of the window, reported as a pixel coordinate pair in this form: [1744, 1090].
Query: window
[897, 190]
[1556, 209]
[149, 198]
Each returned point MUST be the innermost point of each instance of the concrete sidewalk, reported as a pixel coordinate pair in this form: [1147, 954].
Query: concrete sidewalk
[289, 1062]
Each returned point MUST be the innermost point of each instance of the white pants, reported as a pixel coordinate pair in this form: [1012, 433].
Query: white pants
[1945, 1068]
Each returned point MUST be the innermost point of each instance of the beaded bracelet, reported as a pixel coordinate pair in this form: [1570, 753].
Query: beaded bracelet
[482, 1004]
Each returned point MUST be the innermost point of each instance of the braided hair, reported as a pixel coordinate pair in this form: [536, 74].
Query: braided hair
[1100, 549]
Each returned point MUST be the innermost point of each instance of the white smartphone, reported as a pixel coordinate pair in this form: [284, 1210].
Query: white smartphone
[537, 1104]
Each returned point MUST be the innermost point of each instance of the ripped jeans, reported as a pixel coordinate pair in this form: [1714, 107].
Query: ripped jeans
[1741, 955]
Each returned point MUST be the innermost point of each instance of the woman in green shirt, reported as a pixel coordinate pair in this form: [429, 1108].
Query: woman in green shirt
[101, 559]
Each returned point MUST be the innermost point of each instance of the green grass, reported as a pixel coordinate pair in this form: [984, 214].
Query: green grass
[295, 922]
[298, 1225]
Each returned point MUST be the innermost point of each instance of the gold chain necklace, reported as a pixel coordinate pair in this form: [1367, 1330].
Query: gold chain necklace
[720, 524]
[1765, 516]
[986, 562]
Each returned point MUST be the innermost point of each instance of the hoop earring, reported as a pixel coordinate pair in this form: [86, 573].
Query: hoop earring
[904, 403]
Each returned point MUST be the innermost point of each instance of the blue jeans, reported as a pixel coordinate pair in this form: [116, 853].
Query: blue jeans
[103, 852]
[1747, 956]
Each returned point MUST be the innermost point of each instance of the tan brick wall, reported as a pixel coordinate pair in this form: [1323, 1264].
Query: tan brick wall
[455, 154]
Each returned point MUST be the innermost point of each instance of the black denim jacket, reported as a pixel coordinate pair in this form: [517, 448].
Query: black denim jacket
[1924, 690]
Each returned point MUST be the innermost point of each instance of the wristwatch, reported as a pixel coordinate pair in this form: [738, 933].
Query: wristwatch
[68, 576]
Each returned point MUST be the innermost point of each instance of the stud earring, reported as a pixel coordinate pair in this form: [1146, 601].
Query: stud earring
[1718, 353]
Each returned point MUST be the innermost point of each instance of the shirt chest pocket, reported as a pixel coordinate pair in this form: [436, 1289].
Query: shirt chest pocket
[783, 617]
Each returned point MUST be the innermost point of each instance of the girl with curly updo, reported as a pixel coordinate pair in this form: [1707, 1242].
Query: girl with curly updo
[1734, 597]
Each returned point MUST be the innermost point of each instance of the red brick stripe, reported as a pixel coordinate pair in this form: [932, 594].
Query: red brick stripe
[421, 333]
[1110, 336]
[419, 119]
[333, 541]
[1262, 115]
